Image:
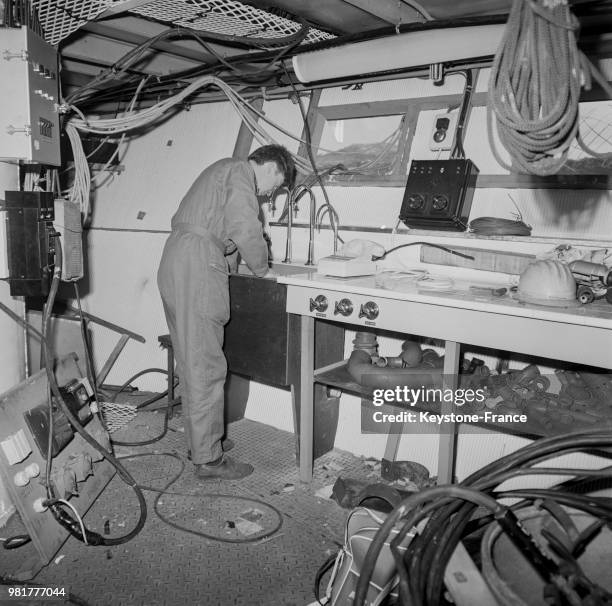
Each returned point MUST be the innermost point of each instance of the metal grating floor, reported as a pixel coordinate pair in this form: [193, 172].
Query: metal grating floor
[163, 565]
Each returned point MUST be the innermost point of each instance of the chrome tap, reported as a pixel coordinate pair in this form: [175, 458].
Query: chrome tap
[334, 220]
[290, 210]
[294, 197]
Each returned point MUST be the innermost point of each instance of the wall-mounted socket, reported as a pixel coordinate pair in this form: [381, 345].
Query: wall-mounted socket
[443, 131]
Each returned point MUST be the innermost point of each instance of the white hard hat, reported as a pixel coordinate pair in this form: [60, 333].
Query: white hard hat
[548, 283]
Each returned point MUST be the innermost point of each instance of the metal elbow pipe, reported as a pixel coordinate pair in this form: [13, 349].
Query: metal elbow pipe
[360, 367]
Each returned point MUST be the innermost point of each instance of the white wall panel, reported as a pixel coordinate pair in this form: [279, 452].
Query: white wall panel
[286, 117]
[161, 166]
[123, 290]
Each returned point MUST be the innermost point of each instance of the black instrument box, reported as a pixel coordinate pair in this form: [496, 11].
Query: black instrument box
[439, 194]
[30, 244]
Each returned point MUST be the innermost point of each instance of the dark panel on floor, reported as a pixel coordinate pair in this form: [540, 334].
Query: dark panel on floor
[163, 565]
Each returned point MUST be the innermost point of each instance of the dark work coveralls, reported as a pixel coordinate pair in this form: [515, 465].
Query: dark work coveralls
[220, 206]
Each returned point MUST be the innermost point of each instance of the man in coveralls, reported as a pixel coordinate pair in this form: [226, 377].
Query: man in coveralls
[218, 215]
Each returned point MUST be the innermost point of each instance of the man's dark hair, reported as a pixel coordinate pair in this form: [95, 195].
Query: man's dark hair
[281, 157]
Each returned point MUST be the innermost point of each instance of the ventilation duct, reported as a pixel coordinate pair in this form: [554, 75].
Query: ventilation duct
[402, 51]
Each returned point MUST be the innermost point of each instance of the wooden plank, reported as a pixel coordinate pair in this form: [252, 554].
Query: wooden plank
[558, 181]
[484, 259]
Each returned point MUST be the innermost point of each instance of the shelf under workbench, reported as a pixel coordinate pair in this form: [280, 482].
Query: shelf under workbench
[539, 425]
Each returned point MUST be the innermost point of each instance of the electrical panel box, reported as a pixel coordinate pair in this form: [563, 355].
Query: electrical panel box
[439, 194]
[30, 241]
[79, 472]
[68, 225]
[443, 131]
[29, 118]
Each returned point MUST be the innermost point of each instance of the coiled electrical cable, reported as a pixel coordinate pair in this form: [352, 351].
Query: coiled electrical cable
[206, 495]
[155, 398]
[497, 226]
[533, 98]
[449, 516]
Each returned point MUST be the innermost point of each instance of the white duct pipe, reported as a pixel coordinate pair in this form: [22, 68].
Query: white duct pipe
[411, 49]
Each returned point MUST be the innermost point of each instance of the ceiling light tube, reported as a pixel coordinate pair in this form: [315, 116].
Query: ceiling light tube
[411, 49]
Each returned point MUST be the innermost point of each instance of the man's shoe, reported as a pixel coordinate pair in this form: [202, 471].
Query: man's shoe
[227, 469]
[226, 444]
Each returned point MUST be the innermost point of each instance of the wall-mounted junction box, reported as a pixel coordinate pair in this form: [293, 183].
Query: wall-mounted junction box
[443, 131]
[29, 119]
[439, 194]
[29, 240]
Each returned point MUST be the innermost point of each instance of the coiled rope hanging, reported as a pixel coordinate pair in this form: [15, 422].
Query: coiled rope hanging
[535, 85]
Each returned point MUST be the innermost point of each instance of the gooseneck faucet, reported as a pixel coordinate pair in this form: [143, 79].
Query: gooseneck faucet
[294, 196]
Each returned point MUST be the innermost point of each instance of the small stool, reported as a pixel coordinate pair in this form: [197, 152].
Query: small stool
[166, 343]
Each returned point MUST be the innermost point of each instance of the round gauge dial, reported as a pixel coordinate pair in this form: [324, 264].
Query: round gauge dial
[439, 202]
[416, 201]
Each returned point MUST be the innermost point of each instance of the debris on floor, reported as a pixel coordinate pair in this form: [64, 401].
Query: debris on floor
[251, 515]
[350, 493]
[325, 492]
[248, 528]
[332, 466]
[408, 471]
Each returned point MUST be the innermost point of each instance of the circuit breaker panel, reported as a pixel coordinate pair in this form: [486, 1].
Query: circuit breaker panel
[29, 118]
[79, 472]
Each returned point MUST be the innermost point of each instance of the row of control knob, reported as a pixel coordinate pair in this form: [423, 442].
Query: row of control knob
[344, 307]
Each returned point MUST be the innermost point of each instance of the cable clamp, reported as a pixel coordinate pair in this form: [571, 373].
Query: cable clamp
[436, 73]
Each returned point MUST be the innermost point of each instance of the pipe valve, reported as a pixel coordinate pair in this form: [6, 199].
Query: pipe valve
[369, 310]
[319, 303]
[343, 307]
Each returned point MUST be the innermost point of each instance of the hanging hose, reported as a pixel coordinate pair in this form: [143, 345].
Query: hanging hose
[535, 83]
[75, 527]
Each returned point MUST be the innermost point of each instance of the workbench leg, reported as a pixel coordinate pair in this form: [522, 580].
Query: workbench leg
[306, 397]
[448, 431]
[393, 440]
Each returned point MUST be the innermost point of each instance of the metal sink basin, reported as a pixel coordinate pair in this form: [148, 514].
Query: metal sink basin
[282, 269]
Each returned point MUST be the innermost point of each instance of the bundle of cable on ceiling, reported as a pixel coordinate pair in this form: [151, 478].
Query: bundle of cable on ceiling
[441, 517]
[136, 120]
[122, 68]
[534, 87]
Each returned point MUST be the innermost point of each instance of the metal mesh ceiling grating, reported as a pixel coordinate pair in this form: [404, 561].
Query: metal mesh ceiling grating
[60, 19]
[228, 17]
